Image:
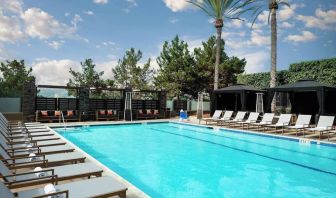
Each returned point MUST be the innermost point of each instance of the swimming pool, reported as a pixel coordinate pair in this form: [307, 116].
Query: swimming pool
[178, 160]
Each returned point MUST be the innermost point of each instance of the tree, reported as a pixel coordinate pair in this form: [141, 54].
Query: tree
[15, 74]
[220, 10]
[176, 67]
[88, 77]
[273, 6]
[129, 73]
[205, 57]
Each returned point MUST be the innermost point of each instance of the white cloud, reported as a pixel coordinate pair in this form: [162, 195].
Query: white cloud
[192, 43]
[76, 19]
[235, 24]
[325, 20]
[40, 24]
[11, 5]
[100, 1]
[10, 29]
[131, 4]
[56, 72]
[305, 36]
[177, 5]
[88, 12]
[53, 72]
[107, 68]
[55, 44]
[286, 12]
[255, 61]
[258, 39]
[286, 25]
[173, 20]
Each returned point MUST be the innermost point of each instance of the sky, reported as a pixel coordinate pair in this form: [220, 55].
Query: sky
[54, 35]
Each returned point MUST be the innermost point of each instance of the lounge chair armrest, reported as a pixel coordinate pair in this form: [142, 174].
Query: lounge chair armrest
[328, 127]
[34, 142]
[32, 172]
[52, 177]
[66, 192]
[16, 158]
[268, 122]
[285, 123]
[305, 125]
[27, 163]
[34, 149]
[253, 121]
[240, 120]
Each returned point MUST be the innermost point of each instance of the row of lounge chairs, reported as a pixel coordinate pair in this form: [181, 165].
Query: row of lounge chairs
[256, 121]
[32, 155]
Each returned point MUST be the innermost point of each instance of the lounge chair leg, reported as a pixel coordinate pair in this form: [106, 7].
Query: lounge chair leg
[122, 194]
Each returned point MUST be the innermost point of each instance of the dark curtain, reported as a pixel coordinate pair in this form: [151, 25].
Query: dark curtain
[330, 102]
[305, 103]
[243, 101]
[269, 100]
[228, 101]
[251, 99]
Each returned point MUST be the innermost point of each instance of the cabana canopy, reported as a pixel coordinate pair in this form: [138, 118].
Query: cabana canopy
[236, 97]
[308, 96]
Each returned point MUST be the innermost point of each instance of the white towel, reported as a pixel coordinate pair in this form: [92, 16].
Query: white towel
[39, 174]
[32, 157]
[50, 188]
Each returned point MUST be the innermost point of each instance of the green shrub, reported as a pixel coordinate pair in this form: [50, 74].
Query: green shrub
[323, 71]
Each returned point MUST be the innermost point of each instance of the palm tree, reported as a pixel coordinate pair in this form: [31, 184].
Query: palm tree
[219, 10]
[273, 7]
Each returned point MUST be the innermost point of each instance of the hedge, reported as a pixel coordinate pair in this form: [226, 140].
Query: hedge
[323, 71]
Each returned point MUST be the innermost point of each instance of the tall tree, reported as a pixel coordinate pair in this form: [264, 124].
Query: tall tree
[129, 73]
[205, 57]
[88, 77]
[273, 6]
[220, 10]
[176, 66]
[15, 74]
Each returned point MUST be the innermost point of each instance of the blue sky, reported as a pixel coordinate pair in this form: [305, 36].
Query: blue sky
[52, 36]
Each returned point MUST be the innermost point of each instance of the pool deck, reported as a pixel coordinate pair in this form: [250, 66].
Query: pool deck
[133, 191]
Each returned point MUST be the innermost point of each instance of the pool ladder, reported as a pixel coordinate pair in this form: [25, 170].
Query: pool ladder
[62, 116]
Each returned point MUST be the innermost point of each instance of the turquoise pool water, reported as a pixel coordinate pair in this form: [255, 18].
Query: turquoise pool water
[175, 160]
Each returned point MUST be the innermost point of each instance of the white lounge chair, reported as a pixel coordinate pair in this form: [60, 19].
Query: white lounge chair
[227, 116]
[238, 118]
[324, 125]
[46, 175]
[40, 160]
[301, 123]
[217, 114]
[35, 149]
[97, 187]
[284, 120]
[252, 118]
[267, 119]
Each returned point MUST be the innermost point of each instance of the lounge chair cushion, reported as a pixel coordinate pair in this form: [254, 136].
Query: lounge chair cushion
[56, 157]
[5, 192]
[67, 171]
[85, 188]
[70, 113]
